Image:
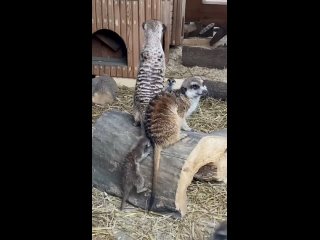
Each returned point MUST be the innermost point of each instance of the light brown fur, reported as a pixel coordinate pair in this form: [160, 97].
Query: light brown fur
[165, 116]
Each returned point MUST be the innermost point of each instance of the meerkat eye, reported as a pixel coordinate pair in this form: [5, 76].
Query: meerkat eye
[195, 86]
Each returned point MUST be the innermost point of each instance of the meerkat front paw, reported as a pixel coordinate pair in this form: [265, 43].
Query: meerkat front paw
[182, 136]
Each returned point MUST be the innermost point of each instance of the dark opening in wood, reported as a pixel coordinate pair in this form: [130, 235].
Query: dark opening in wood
[108, 48]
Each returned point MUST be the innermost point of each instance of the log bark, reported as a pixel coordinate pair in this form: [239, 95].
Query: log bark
[216, 89]
[113, 136]
[204, 57]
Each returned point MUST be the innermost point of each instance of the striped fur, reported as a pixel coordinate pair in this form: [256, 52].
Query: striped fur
[150, 78]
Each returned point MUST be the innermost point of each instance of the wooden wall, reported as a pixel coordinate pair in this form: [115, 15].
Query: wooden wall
[195, 11]
[125, 17]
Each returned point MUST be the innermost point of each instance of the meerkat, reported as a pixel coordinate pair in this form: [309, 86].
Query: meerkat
[164, 116]
[131, 171]
[170, 84]
[150, 78]
[221, 231]
[196, 89]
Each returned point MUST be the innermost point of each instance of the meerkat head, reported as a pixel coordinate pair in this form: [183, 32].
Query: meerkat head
[193, 87]
[153, 28]
[171, 81]
[143, 148]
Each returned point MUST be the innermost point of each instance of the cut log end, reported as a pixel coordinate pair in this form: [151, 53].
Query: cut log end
[113, 136]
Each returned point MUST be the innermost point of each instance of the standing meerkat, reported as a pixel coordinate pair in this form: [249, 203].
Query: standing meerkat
[131, 171]
[164, 117]
[150, 78]
[197, 89]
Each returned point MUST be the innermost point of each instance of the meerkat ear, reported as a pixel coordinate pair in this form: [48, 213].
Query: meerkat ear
[144, 26]
[164, 28]
[183, 90]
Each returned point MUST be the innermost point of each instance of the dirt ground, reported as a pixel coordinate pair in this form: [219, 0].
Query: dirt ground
[207, 201]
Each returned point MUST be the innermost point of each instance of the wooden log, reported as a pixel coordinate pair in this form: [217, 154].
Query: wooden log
[204, 57]
[113, 136]
[216, 89]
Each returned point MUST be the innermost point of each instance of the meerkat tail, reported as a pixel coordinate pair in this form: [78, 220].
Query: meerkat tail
[156, 165]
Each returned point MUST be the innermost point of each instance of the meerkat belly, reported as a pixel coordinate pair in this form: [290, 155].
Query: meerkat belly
[193, 106]
[150, 82]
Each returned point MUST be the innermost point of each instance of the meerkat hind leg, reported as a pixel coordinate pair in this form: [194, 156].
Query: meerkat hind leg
[139, 183]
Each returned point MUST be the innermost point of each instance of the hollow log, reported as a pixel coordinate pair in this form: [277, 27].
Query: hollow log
[112, 137]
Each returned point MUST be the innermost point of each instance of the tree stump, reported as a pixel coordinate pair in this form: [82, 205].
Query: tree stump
[113, 136]
[104, 90]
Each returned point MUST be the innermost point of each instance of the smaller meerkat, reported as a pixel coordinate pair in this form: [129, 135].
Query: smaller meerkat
[196, 89]
[131, 172]
[221, 231]
[163, 120]
[170, 83]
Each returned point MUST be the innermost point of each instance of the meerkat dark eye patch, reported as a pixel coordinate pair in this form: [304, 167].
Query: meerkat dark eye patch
[195, 86]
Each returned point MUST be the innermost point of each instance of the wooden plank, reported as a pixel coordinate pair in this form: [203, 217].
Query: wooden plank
[108, 41]
[148, 9]
[101, 70]
[110, 15]
[125, 71]
[153, 9]
[164, 21]
[129, 38]
[99, 14]
[94, 23]
[167, 38]
[141, 21]
[171, 20]
[119, 71]
[183, 13]
[178, 23]
[96, 70]
[113, 72]
[116, 11]
[105, 20]
[107, 70]
[135, 38]
[158, 16]
[123, 17]
[174, 23]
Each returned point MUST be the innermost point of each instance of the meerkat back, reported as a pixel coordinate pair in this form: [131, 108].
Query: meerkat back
[150, 78]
